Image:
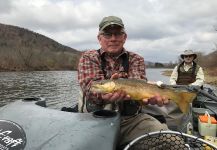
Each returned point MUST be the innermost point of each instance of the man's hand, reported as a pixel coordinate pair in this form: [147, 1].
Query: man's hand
[156, 99]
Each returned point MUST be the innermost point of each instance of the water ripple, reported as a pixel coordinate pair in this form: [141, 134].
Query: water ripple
[59, 88]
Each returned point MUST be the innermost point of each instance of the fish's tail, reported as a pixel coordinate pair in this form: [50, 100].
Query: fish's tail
[185, 98]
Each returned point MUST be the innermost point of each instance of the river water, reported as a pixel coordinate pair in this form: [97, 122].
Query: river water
[59, 88]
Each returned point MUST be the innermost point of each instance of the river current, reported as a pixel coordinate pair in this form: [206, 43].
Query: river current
[58, 88]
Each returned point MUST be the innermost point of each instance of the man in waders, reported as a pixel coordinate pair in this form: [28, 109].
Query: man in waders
[113, 61]
[188, 72]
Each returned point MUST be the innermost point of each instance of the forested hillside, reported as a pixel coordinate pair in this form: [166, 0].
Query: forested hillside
[24, 50]
[210, 60]
[21, 49]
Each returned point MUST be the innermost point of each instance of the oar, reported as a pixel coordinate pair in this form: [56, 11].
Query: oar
[206, 94]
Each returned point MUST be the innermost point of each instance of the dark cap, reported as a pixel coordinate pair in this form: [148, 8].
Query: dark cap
[110, 20]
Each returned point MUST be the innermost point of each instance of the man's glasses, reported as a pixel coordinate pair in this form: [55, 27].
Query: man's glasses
[186, 56]
[108, 35]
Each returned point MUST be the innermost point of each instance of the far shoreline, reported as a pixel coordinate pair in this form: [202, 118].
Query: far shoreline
[210, 74]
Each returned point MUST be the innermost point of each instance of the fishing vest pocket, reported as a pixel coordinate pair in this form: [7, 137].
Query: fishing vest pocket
[129, 108]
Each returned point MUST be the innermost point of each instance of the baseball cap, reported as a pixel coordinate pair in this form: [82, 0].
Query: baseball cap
[110, 20]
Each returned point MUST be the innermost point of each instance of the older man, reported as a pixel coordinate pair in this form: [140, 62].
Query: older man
[188, 72]
[113, 61]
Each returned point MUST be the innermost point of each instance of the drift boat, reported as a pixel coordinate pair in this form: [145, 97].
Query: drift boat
[28, 124]
[49, 129]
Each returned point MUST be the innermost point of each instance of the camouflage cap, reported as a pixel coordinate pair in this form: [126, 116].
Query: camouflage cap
[110, 20]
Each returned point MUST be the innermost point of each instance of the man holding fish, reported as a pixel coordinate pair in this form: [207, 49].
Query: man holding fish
[114, 78]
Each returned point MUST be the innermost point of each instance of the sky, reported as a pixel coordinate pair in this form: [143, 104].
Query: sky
[158, 30]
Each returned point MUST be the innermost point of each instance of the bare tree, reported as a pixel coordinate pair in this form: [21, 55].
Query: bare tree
[26, 56]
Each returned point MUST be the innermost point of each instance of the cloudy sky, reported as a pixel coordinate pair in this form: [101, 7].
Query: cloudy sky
[159, 30]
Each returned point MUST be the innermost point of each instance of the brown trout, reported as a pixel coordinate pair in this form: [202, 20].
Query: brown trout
[139, 89]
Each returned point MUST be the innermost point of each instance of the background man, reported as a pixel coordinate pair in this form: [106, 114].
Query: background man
[188, 72]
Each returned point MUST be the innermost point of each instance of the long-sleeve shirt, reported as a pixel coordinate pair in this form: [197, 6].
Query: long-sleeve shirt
[89, 69]
[199, 75]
